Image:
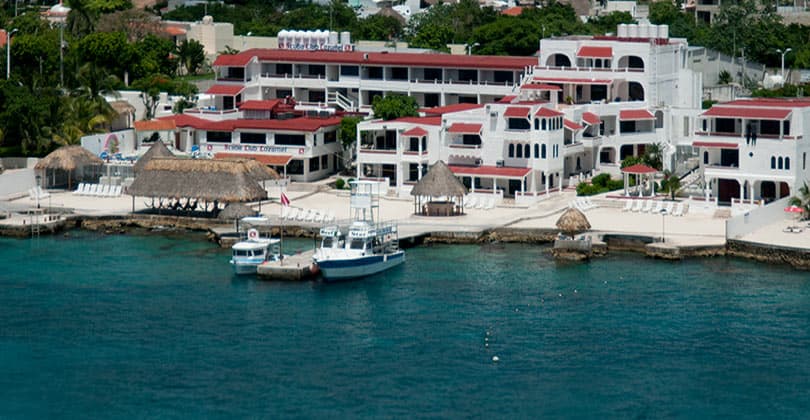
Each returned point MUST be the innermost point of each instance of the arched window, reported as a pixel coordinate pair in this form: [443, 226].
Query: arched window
[787, 163]
[511, 150]
[780, 162]
[519, 151]
[544, 124]
[537, 123]
[706, 158]
[543, 151]
[527, 151]
[536, 151]
[773, 162]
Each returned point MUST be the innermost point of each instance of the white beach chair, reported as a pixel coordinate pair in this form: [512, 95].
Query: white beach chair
[678, 210]
[118, 190]
[658, 206]
[647, 206]
[669, 207]
[80, 189]
[311, 215]
[91, 189]
[638, 205]
[303, 215]
[285, 210]
[685, 209]
[628, 205]
[469, 201]
[482, 201]
[104, 190]
[490, 204]
[293, 213]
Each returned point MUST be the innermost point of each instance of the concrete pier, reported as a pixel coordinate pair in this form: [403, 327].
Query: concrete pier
[294, 267]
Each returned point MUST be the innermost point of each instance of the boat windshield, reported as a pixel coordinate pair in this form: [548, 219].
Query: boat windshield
[328, 242]
[356, 244]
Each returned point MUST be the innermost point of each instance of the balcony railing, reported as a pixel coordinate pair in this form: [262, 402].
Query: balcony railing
[588, 69]
[464, 146]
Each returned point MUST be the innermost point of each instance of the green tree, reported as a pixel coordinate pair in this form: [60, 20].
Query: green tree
[81, 19]
[654, 156]
[348, 137]
[191, 56]
[671, 183]
[378, 28]
[394, 106]
[609, 22]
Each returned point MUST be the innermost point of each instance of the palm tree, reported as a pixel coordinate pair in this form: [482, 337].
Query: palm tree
[654, 155]
[802, 200]
[671, 183]
[81, 19]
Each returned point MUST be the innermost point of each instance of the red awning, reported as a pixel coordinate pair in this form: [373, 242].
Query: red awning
[517, 112]
[540, 86]
[415, 132]
[639, 169]
[635, 115]
[465, 128]
[491, 171]
[748, 113]
[595, 52]
[274, 160]
[564, 80]
[229, 90]
[590, 118]
[257, 105]
[572, 125]
[715, 144]
[547, 112]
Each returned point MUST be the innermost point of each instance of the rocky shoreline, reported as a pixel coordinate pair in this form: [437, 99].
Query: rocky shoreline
[794, 257]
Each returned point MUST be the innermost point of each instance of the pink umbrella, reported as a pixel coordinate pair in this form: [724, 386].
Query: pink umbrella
[794, 209]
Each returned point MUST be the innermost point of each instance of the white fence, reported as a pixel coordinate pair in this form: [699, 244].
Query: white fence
[119, 141]
[762, 216]
[15, 183]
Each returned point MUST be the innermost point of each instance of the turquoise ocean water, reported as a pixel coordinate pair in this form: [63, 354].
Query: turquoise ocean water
[133, 326]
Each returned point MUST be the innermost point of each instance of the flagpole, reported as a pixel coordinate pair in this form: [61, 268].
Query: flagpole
[281, 229]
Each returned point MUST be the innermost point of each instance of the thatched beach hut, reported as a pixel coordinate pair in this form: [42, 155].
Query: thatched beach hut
[156, 150]
[223, 181]
[69, 164]
[439, 193]
[567, 247]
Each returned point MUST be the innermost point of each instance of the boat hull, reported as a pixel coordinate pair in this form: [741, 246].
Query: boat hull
[352, 268]
[245, 267]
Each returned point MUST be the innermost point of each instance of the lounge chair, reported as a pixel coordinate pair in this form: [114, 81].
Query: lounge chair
[291, 215]
[637, 205]
[303, 215]
[80, 189]
[647, 206]
[628, 205]
[685, 209]
[469, 201]
[105, 189]
[490, 204]
[678, 210]
[285, 210]
[659, 205]
[669, 207]
[311, 216]
[482, 201]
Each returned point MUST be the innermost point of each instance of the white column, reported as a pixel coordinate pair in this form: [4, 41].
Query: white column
[751, 191]
[560, 180]
[359, 160]
[626, 184]
[545, 175]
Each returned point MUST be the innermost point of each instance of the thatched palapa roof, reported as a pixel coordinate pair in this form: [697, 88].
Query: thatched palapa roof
[69, 158]
[156, 150]
[573, 221]
[257, 170]
[205, 179]
[235, 211]
[438, 182]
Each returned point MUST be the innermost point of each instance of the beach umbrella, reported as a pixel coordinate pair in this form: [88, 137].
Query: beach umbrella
[794, 209]
[573, 221]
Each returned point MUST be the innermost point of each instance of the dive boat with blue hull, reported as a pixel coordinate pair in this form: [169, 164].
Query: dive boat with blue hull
[367, 247]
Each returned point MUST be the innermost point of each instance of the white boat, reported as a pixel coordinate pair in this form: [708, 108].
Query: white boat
[367, 248]
[254, 251]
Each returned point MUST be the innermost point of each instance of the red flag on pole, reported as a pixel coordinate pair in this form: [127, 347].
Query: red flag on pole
[284, 200]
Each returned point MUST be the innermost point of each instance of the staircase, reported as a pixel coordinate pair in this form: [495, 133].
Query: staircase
[343, 101]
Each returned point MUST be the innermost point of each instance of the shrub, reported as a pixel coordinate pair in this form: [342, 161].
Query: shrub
[348, 181]
[601, 180]
[340, 183]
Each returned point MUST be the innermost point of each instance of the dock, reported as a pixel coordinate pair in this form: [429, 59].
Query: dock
[293, 267]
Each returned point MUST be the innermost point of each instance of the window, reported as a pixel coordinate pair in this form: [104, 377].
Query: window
[236, 73]
[543, 125]
[329, 137]
[537, 123]
[518, 124]
[543, 151]
[375, 73]
[349, 70]
[536, 151]
[314, 164]
[218, 136]
[519, 151]
[467, 139]
[705, 124]
[324, 161]
[252, 138]
[527, 151]
[283, 93]
[433, 74]
[399, 73]
[503, 77]
[804, 161]
[291, 139]
[511, 150]
[786, 128]
[773, 162]
[787, 163]
[282, 68]
[295, 167]
[467, 75]
[779, 165]
[706, 159]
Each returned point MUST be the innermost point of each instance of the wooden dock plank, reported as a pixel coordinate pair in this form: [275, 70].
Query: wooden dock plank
[294, 267]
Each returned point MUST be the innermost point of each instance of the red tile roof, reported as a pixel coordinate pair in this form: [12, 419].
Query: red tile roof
[491, 171]
[294, 124]
[380, 58]
[513, 11]
[639, 168]
[566, 80]
[572, 125]
[506, 99]
[256, 105]
[465, 128]
[420, 120]
[771, 102]
[590, 118]
[415, 132]
[441, 110]
[155, 125]
[715, 144]
[540, 86]
[517, 112]
[635, 115]
[229, 90]
[275, 160]
[595, 52]
[185, 120]
[174, 30]
[547, 112]
[748, 112]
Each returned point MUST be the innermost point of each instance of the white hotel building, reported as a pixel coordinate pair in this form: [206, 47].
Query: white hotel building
[586, 104]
